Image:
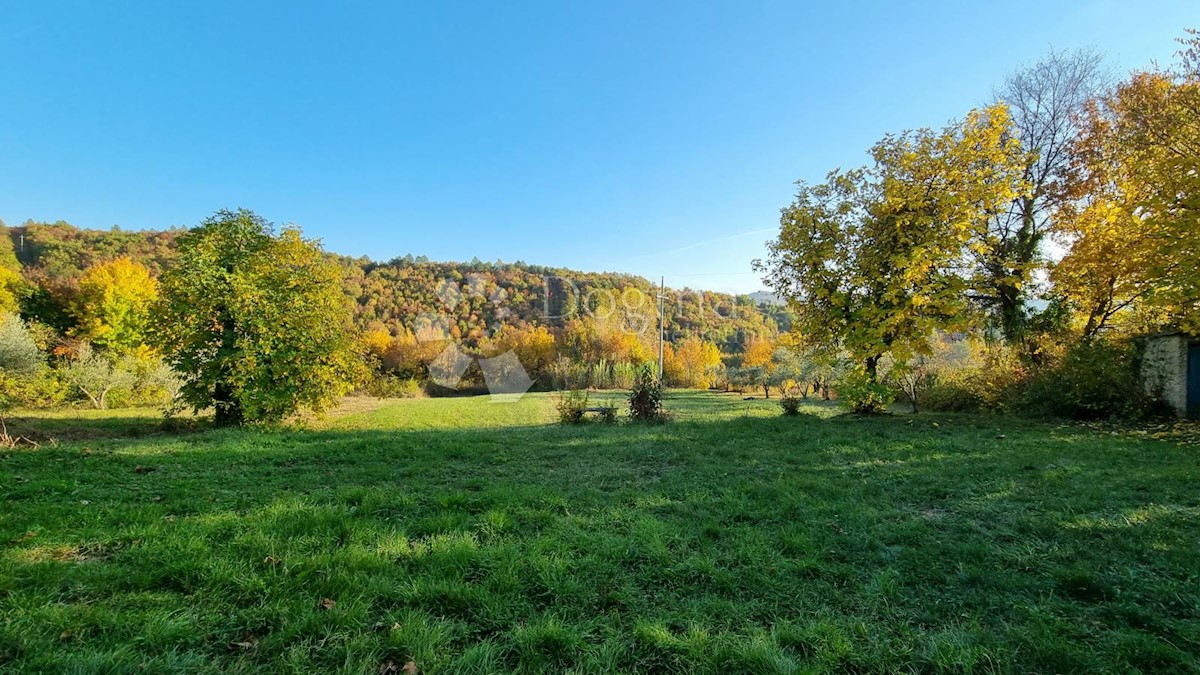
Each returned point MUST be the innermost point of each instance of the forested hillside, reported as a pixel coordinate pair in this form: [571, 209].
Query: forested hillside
[475, 298]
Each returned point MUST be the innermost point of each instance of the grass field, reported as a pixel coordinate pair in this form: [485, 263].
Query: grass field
[465, 536]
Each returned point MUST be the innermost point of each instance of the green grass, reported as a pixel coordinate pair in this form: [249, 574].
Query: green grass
[467, 536]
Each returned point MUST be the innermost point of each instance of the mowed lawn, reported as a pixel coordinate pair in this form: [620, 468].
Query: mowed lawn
[459, 535]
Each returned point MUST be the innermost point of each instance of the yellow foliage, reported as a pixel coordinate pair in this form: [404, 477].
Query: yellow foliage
[113, 305]
[759, 353]
[693, 363]
[9, 282]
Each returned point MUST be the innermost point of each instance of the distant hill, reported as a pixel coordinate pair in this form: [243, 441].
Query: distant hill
[473, 298]
[767, 298]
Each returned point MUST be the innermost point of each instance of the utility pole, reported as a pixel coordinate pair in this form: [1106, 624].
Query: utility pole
[662, 326]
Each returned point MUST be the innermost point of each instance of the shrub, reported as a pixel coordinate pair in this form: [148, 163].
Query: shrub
[988, 379]
[1094, 380]
[571, 406]
[608, 414]
[43, 389]
[386, 385]
[645, 400]
[19, 353]
[863, 396]
[790, 404]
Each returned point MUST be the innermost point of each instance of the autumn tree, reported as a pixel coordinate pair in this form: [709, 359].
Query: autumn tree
[256, 323]
[873, 259]
[534, 347]
[10, 273]
[10, 284]
[1044, 101]
[694, 362]
[1133, 227]
[112, 306]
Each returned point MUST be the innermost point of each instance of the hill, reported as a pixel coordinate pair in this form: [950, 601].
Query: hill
[470, 299]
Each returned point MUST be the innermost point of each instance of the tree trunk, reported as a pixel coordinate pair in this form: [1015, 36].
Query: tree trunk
[872, 366]
[228, 411]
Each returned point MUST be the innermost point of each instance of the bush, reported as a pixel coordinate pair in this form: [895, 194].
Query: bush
[863, 396]
[571, 406]
[19, 353]
[392, 386]
[43, 389]
[1094, 380]
[989, 380]
[645, 400]
[790, 404]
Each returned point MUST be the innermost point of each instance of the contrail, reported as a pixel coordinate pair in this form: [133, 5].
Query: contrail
[718, 239]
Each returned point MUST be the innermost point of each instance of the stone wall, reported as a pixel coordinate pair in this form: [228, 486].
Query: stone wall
[1164, 369]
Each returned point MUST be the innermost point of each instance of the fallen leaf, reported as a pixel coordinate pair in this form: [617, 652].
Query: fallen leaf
[388, 667]
[247, 642]
[327, 603]
[410, 668]
[65, 635]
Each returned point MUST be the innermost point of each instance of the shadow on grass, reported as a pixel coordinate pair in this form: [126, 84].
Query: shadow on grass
[747, 544]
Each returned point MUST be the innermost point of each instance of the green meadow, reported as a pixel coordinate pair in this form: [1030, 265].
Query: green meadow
[464, 536]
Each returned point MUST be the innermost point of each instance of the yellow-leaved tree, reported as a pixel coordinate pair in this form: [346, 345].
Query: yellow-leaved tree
[1135, 241]
[114, 303]
[872, 260]
[692, 363]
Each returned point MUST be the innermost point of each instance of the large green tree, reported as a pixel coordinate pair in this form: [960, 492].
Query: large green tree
[874, 260]
[256, 323]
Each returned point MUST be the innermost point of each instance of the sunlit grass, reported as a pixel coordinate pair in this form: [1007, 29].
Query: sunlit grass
[470, 536]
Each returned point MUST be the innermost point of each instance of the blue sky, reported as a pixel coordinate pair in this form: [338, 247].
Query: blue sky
[646, 137]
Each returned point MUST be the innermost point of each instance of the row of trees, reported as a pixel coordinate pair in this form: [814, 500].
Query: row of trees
[945, 231]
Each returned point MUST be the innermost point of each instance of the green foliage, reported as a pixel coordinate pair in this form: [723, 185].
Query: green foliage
[1094, 380]
[96, 374]
[392, 386]
[19, 353]
[571, 406]
[986, 381]
[645, 401]
[870, 260]
[256, 323]
[112, 307]
[790, 404]
[42, 389]
[863, 394]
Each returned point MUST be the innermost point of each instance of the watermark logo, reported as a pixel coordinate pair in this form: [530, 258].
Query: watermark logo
[504, 375]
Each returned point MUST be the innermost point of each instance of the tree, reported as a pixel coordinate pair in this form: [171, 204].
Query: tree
[10, 273]
[1133, 230]
[1044, 101]
[794, 369]
[872, 260]
[256, 323]
[113, 304]
[19, 353]
[694, 362]
[96, 374]
[534, 347]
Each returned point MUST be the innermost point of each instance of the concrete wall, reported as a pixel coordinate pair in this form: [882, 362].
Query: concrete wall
[1164, 369]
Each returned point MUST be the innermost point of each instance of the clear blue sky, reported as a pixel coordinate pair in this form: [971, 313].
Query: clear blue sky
[627, 136]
